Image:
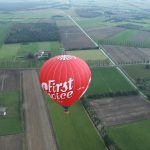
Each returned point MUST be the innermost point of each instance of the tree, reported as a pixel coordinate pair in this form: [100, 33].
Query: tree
[147, 66]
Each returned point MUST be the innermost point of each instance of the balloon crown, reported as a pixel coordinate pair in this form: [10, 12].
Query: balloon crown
[66, 57]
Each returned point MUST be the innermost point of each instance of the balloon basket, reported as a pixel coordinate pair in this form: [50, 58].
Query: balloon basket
[66, 110]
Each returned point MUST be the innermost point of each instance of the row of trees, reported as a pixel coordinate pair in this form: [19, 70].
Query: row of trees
[124, 43]
[110, 144]
[98, 63]
[112, 94]
[134, 62]
[33, 32]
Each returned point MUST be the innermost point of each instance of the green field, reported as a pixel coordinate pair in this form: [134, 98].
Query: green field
[74, 131]
[8, 51]
[108, 80]
[123, 36]
[135, 136]
[141, 77]
[34, 47]
[31, 15]
[92, 22]
[137, 71]
[88, 54]
[10, 124]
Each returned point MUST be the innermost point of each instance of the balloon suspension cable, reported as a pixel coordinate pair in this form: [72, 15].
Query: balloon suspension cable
[66, 109]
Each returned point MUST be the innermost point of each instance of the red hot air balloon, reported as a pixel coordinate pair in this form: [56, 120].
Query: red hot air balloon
[65, 79]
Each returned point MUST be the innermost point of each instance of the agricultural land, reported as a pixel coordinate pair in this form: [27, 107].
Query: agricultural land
[113, 38]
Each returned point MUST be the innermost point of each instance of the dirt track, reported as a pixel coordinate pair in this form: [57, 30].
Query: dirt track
[39, 133]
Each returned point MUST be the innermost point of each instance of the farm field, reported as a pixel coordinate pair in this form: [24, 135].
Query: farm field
[123, 36]
[31, 15]
[64, 22]
[73, 38]
[11, 126]
[12, 123]
[141, 76]
[103, 33]
[10, 97]
[10, 53]
[11, 142]
[88, 54]
[74, 130]
[33, 47]
[140, 36]
[106, 80]
[4, 28]
[137, 71]
[126, 55]
[132, 136]
[41, 124]
[91, 23]
[121, 110]
[94, 58]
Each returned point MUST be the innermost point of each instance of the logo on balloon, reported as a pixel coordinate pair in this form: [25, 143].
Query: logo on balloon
[59, 91]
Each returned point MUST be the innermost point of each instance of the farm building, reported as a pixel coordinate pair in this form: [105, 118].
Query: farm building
[43, 54]
[3, 111]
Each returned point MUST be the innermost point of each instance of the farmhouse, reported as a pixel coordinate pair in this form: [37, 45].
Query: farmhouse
[3, 111]
[42, 54]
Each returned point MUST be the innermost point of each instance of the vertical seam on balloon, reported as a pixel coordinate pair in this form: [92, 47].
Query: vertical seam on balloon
[56, 68]
[60, 71]
[73, 76]
[86, 73]
[75, 63]
[45, 68]
[51, 68]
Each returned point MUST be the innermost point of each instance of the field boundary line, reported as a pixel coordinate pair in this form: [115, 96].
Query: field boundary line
[103, 50]
[3, 80]
[96, 129]
[82, 30]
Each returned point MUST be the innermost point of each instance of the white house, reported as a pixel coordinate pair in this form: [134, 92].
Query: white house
[3, 111]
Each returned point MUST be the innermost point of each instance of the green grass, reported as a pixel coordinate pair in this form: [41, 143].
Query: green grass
[147, 41]
[74, 131]
[92, 22]
[108, 80]
[137, 71]
[123, 36]
[8, 51]
[135, 136]
[88, 54]
[28, 48]
[31, 15]
[54, 47]
[10, 124]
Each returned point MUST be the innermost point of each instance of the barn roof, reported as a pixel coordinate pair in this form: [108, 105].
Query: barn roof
[2, 109]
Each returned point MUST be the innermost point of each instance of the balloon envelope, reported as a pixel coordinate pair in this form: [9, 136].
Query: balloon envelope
[65, 79]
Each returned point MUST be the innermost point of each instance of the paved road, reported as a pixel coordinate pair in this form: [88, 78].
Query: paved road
[39, 133]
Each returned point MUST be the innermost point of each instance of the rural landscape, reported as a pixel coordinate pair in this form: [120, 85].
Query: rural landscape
[112, 37]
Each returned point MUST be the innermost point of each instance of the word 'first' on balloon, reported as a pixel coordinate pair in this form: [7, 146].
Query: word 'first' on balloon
[64, 88]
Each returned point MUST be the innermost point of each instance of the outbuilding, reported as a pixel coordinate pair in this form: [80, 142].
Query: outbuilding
[3, 111]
